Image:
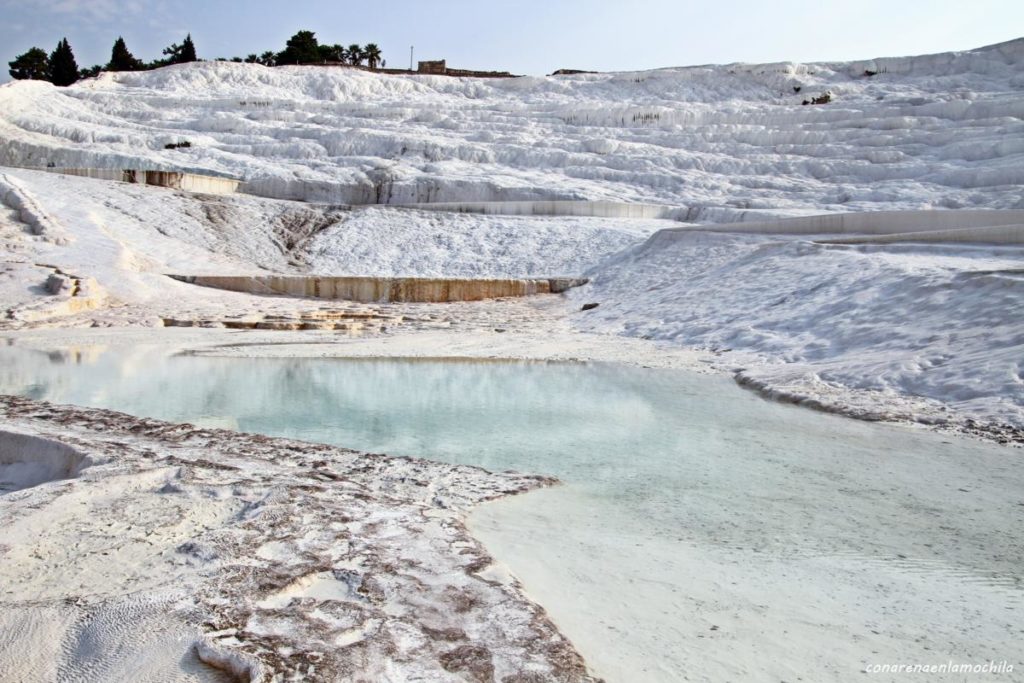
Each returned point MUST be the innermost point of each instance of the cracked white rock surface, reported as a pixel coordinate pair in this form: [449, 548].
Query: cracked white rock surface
[179, 545]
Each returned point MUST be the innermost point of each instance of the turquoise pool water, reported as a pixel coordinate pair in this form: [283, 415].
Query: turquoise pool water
[814, 545]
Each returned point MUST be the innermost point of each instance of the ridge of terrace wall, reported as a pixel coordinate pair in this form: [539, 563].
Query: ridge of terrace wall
[995, 234]
[177, 180]
[597, 209]
[383, 289]
[960, 225]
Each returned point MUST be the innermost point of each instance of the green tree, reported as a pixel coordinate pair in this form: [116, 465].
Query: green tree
[121, 59]
[91, 72]
[302, 48]
[63, 67]
[268, 58]
[332, 53]
[181, 54]
[355, 54]
[372, 54]
[252, 58]
[34, 65]
[188, 50]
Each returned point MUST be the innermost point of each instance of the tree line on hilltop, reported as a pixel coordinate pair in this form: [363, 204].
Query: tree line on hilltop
[60, 68]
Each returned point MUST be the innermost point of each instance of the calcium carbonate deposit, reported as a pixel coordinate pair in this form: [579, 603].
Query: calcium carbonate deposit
[861, 255]
[935, 131]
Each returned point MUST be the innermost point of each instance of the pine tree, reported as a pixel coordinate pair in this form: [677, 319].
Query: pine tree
[121, 59]
[188, 51]
[63, 67]
[181, 54]
[34, 65]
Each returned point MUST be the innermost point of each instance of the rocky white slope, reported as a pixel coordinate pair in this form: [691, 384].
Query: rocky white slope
[935, 131]
[127, 237]
[161, 552]
[812, 321]
[928, 332]
[804, 320]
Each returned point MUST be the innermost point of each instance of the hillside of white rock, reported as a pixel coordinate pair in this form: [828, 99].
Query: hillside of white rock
[905, 329]
[939, 131]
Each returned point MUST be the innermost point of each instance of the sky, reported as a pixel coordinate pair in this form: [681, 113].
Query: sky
[529, 36]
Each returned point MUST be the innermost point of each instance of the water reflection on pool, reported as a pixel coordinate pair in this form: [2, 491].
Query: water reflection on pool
[814, 545]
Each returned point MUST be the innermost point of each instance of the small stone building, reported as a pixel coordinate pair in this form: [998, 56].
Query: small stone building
[437, 67]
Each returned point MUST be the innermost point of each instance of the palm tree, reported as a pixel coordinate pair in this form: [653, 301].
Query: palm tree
[332, 53]
[372, 54]
[267, 58]
[355, 55]
[252, 59]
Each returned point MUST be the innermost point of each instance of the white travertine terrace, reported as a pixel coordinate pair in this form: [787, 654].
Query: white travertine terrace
[376, 289]
[862, 257]
[176, 180]
[721, 141]
[27, 460]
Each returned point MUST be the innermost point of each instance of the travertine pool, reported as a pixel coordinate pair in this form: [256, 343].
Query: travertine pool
[701, 532]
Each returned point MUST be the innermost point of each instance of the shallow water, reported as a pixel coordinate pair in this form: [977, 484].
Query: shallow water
[702, 532]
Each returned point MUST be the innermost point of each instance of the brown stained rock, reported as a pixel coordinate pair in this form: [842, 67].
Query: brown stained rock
[462, 600]
[371, 589]
[445, 634]
[479, 561]
[525, 677]
[470, 659]
[383, 289]
[278, 325]
[316, 325]
[391, 582]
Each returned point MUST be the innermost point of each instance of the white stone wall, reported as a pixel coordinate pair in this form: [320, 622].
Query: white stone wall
[189, 182]
[988, 226]
[382, 289]
[598, 209]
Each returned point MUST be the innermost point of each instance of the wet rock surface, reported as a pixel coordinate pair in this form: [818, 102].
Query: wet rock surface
[276, 559]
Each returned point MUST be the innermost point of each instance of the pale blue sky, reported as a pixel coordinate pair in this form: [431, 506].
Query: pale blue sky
[529, 36]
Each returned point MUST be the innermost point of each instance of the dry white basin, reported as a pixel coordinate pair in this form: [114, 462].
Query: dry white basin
[27, 461]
